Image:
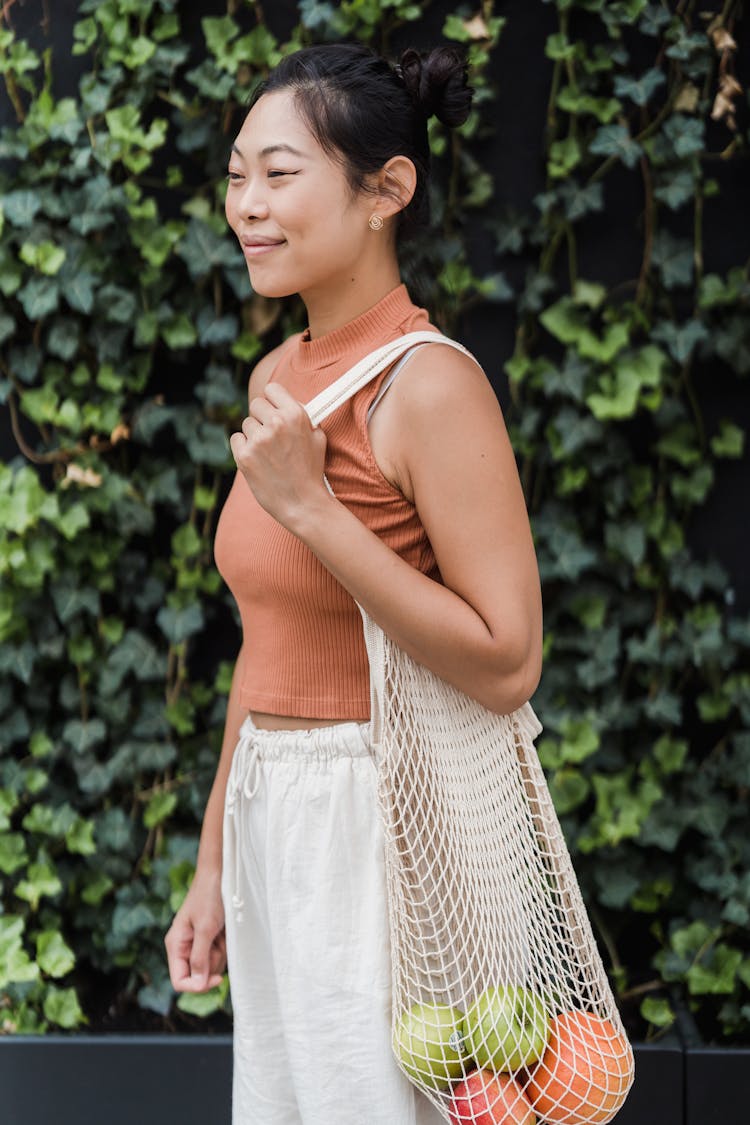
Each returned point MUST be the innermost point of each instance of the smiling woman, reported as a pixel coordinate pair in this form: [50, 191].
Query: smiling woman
[405, 503]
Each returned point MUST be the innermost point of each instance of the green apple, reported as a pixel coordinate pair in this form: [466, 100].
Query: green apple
[506, 1028]
[428, 1040]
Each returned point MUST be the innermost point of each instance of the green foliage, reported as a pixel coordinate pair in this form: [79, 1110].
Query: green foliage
[645, 694]
[126, 331]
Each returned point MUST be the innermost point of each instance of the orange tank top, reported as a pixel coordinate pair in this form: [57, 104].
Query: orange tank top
[303, 649]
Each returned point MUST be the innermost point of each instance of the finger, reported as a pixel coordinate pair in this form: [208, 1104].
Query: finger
[278, 396]
[178, 957]
[200, 957]
[261, 410]
[238, 444]
[219, 954]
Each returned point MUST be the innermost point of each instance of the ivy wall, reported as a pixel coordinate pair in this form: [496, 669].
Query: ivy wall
[588, 243]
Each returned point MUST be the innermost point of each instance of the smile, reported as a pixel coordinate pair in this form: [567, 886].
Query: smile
[256, 249]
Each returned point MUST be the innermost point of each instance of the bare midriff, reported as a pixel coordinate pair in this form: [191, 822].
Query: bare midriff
[264, 721]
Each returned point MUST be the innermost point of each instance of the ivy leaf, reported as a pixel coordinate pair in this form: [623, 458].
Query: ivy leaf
[620, 393]
[676, 189]
[579, 201]
[568, 790]
[214, 329]
[179, 624]
[79, 839]
[628, 540]
[180, 332]
[95, 888]
[558, 46]
[79, 290]
[54, 955]
[39, 297]
[61, 1007]
[674, 259]
[20, 207]
[730, 440]
[204, 1003]
[680, 339]
[615, 140]
[716, 972]
[640, 90]
[42, 880]
[657, 1011]
[82, 736]
[564, 156]
[135, 654]
[13, 852]
[159, 808]
[202, 249]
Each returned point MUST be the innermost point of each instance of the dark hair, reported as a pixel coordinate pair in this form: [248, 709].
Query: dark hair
[363, 111]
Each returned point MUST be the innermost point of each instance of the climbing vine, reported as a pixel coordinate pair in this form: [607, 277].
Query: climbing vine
[127, 329]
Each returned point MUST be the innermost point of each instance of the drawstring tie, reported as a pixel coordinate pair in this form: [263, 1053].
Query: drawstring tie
[244, 780]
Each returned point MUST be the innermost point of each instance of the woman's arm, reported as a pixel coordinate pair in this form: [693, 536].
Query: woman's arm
[195, 942]
[448, 450]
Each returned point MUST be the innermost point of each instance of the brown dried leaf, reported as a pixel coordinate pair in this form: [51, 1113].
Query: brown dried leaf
[688, 98]
[75, 474]
[476, 28]
[722, 40]
[120, 433]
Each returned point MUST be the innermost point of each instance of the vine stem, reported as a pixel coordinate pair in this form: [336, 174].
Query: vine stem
[640, 989]
[649, 208]
[55, 456]
[607, 939]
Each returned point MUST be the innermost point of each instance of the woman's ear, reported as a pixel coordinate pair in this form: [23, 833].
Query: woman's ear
[396, 184]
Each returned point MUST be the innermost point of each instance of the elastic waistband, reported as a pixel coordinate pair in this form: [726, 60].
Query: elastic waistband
[339, 740]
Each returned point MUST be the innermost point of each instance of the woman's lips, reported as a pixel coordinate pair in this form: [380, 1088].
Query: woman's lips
[256, 249]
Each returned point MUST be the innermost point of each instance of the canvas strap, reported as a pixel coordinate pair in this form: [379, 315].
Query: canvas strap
[364, 372]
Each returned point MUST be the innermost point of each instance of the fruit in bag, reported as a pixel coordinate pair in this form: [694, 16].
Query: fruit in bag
[584, 1074]
[486, 1098]
[428, 1040]
[506, 1028]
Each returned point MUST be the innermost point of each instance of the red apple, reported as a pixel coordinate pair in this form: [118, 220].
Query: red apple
[485, 1098]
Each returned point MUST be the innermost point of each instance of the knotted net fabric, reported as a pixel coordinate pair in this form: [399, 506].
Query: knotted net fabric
[502, 1010]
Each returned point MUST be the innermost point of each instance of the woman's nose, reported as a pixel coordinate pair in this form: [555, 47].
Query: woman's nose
[252, 203]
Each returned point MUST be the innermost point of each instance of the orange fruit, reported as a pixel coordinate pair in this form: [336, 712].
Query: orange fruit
[584, 1074]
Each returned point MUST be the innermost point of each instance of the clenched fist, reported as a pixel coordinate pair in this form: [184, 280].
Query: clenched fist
[280, 455]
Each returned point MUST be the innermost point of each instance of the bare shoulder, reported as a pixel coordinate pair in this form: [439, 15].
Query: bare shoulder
[265, 367]
[436, 387]
[437, 375]
[441, 406]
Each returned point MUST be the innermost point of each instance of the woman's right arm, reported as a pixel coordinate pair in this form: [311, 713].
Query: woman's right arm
[196, 942]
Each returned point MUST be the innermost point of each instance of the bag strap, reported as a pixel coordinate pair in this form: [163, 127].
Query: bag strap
[323, 404]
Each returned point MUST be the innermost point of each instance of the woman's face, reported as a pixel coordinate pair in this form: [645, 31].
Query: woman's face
[300, 226]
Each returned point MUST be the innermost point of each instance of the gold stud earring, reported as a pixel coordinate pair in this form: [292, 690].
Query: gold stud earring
[375, 222]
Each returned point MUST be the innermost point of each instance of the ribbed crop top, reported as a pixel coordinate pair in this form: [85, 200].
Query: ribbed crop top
[303, 648]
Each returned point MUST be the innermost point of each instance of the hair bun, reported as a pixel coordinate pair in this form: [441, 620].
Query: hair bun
[438, 83]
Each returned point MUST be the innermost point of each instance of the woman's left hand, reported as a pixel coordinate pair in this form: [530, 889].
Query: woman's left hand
[280, 455]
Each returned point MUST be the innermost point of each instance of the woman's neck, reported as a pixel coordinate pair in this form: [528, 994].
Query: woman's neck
[335, 305]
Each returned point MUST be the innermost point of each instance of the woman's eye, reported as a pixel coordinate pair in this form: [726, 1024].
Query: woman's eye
[234, 175]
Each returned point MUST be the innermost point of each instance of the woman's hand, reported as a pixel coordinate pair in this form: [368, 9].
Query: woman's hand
[196, 941]
[280, 455]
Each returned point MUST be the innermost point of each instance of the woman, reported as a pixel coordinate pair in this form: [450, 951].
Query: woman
[424, 526]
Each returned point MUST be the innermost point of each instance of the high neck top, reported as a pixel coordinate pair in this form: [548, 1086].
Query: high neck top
[303, 649]
[376, 325]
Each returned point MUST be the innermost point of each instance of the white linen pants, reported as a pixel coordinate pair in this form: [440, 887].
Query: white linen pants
[308, 950]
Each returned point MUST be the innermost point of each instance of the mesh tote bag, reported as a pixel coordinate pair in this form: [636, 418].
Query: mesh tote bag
[502, 1011]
